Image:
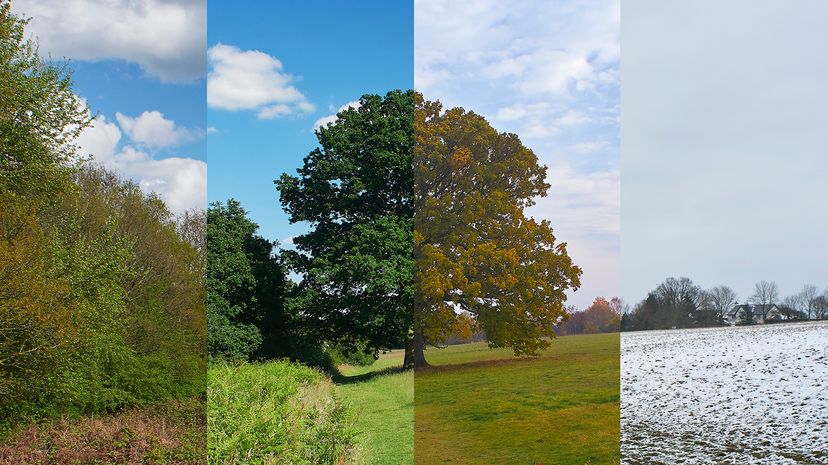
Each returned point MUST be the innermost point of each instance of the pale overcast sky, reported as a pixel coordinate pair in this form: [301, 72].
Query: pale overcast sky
[724, 144]
[547, 71]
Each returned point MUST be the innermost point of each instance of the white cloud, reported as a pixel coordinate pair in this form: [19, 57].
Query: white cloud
[590, 147]
[569, 47]
[212, 130]
[572, 118]
[165, 38]
[152, 130]
[252, 80]
[181, 182]
[325, 120]
[548, 72]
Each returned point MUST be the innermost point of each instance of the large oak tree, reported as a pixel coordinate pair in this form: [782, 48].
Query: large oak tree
[475, 248]
[355, 192]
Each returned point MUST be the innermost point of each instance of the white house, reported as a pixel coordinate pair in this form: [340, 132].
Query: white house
[761, 313]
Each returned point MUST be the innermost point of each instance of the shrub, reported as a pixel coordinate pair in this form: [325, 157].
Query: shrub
[275, 413]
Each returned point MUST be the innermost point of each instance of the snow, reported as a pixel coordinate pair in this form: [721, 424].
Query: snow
[735, 395]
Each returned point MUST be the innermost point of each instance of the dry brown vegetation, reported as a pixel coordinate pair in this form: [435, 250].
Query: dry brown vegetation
[170, 433]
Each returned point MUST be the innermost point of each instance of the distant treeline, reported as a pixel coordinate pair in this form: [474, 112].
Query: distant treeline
[603, 316]
[679, 303]
[101, 287]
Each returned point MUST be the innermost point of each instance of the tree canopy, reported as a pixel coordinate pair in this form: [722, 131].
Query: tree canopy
[475, 249]
[355, 192]
[40, 116]
[246, 287]
[101, 295]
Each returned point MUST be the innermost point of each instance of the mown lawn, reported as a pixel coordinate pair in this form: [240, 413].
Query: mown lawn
[477, 405]
[382, 400]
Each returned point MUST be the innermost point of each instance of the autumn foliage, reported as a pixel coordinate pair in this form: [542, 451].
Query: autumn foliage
[101, 286]
[475, 249]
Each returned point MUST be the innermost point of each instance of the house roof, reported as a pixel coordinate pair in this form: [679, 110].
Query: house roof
[757, 309]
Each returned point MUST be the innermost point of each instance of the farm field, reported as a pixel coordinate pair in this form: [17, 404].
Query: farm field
[736, 395]
[477, 405]
[381, 398]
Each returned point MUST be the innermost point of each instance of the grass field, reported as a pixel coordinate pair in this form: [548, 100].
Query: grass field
[382, 400]
[476, 405]
[278, 412]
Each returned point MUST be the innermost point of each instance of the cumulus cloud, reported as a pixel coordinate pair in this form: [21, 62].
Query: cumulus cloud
[252, 80]
[165, 38]
[151, 129]
[181, 182]
[326, 120]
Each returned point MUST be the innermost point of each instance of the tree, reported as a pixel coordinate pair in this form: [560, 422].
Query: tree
[820, 306]
[245, 286]
[808, 294]
[474, 248]
[746, 317]
[765, 293]
[40, 116]
[355, 191]
[600, 317]
[721, 300]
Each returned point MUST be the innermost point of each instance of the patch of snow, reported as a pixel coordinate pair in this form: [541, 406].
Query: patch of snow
[736, 395]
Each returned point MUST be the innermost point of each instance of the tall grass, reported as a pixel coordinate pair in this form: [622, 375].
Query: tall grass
[275, 413]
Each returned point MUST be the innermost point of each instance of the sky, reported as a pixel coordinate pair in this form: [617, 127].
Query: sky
[139, 65]
[547, 71]
[277, 70]
[724, 142]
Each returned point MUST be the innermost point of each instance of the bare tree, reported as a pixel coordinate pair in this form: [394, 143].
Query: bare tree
[820, 305]
[765, 293]
[808, 294]
[721, 299]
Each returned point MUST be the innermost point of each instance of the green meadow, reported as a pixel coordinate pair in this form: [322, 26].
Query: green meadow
[478, 405]
[279, 412]
[381, 397]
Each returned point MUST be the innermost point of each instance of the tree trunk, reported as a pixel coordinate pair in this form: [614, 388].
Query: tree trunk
[408, 362]
[418, 348]
[415, 351]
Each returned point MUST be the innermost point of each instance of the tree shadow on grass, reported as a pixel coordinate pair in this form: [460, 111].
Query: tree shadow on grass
[338, 378]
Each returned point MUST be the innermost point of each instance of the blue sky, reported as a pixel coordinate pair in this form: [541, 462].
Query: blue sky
[298, 62]
[548, 71]
[140, 67]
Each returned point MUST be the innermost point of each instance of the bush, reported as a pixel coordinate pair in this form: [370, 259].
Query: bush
[360, 356]
[274, 413]
[101, 303]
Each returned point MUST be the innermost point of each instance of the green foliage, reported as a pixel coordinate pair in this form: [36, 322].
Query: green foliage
[360, 355]
[102, 299]
[246, 286]
[40, 116]
[102, 304]
[355, 191]
[275, 413]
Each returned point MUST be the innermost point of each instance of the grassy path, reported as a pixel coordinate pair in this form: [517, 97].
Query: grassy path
[478, 405]
[383, 399]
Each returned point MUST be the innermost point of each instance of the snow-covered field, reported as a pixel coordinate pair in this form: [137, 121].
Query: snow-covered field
[741, 395]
